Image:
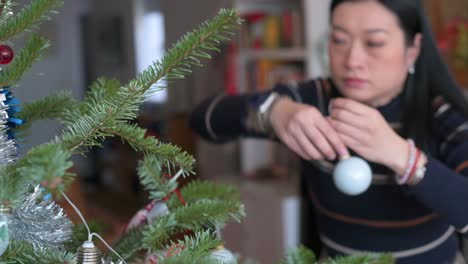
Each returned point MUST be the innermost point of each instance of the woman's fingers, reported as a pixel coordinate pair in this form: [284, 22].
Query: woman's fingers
[333, 138]
[307, 132]
[301, 146]
[349, 118]
[344, 129]
[318, 139]
[350, 105]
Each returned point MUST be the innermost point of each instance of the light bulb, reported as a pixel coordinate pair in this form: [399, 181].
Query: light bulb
[352, 176]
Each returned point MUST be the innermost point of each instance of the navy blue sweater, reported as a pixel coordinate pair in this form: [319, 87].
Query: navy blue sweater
[418, 224]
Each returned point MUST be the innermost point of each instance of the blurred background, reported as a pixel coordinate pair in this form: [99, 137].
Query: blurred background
[280, 41]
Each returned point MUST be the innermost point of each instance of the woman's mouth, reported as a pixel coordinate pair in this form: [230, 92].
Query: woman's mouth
[354, 82]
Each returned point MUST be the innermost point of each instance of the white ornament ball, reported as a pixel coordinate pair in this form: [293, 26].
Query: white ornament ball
[223, 256]
[352, 176]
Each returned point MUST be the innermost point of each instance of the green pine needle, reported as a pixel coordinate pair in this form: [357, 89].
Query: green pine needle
[201, 190]
[150, 173]
[194, 249]
[49, 107]
[46, 162]
[209, 213]
[200, 215]
[108, 115]
[365, 259]
[29, 16]
[178, 61]
[128, 245]
[23, 61]
[150, 169]
[157, 234]
[299, 255]
[12, 185]
[168, 155]
[24, 253]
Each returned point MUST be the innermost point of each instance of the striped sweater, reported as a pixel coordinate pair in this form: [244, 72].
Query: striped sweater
[417, 224]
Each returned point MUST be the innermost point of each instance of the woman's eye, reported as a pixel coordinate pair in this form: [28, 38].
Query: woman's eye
[375, 44]
[338, 41]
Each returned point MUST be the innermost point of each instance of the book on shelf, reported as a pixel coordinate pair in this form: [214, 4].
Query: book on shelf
[266, 29]
[262, 75]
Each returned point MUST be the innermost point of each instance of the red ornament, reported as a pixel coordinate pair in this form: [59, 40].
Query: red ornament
[6, 54]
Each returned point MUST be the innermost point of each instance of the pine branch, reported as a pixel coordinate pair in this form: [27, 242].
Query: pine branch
[209, 213]
[90, 129]
[150, 174]
[195, 249]
[299, 255]
[12, 185]
[204, 190]
[21, 252]
[371, 258]
[29, 16]
[100, 90]
[45, 163]
[86, 131]
[49, 107]
[150, 170]
[158, 233]
[190, 50]
[161, 154]
[22, 62]
[200, 215]
[128, 245]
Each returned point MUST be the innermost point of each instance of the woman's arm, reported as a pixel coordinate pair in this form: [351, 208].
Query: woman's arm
[444, 187]
[223, 118]
[296, 119]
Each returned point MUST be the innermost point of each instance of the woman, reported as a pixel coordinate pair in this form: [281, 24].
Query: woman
[389, 100]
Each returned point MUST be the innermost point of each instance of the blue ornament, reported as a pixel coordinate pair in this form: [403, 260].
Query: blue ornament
[352, 176]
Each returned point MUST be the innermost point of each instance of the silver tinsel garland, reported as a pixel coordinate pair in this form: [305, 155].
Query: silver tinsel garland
[8, 149]
[40, 221]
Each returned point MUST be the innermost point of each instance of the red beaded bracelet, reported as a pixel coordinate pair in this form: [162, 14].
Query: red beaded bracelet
[413, 170]
[411, 163]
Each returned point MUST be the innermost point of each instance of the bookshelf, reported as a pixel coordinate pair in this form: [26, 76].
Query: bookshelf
[278, 43]
[268, 169]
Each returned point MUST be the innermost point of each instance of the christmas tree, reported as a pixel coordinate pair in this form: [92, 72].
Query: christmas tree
[179, 226]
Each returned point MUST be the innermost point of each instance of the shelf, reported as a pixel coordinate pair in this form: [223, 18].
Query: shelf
[273, 6]
[274, 54]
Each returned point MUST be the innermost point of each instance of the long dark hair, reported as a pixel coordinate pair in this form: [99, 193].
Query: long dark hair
[431, 77]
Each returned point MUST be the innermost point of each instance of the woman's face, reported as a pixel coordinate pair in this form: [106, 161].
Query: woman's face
[369, 58]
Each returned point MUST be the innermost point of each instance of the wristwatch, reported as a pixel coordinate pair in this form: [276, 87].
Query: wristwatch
[264, 110]
[419, 174]
[259, 112]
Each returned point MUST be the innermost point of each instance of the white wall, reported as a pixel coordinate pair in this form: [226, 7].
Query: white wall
[59, 69]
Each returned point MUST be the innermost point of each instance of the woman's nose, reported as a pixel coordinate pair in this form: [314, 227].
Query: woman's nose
[355, 57]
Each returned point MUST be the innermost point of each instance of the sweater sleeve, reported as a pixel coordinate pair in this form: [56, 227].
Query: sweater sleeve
[221, 118]
[445, 185]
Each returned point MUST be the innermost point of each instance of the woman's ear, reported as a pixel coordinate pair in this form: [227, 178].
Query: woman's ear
[414, 50]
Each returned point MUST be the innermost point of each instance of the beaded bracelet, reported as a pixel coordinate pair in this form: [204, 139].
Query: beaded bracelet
[415, 166]
[419, 173]
[410, 165]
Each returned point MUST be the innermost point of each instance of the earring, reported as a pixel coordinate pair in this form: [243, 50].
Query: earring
[411, 69]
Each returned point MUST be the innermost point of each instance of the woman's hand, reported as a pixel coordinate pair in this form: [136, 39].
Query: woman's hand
[306, 131]
[364, 130]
